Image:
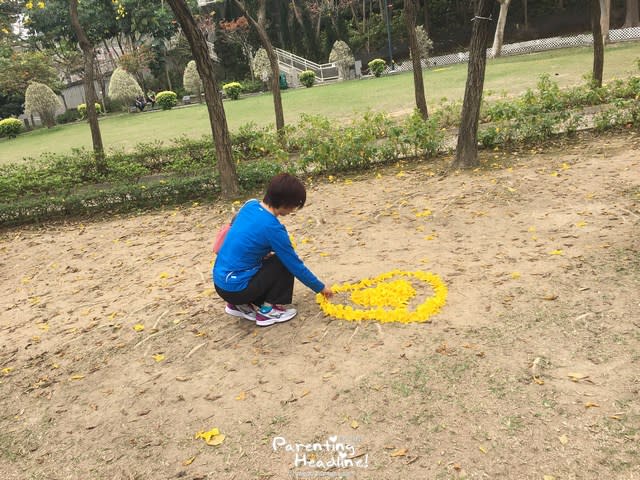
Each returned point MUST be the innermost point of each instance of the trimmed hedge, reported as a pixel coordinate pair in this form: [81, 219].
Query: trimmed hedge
[57, 186]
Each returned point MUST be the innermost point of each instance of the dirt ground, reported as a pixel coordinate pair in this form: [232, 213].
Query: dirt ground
[531, 370]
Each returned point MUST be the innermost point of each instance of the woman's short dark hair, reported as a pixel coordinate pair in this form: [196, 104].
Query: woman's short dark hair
[285, 190]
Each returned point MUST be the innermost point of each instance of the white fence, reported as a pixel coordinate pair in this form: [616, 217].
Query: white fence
[521, 48]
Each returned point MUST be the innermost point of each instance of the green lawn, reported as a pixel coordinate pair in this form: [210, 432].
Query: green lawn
[342, 101]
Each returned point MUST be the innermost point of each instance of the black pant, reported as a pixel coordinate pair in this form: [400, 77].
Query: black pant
[273, 284]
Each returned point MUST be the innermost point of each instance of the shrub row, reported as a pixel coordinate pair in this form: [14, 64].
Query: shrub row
[155, 174]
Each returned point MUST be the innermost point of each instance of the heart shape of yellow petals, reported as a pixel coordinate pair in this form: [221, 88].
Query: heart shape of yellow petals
[387, 297]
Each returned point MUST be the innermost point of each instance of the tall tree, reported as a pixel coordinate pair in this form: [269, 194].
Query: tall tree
[598, 43]
[410, 11]
[467, 148]
[226, 167]
[259, 22]
[605, 18]
[498, 38]
[632, 16]
[89, 85]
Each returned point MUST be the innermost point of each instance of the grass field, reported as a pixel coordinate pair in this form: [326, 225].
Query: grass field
[341, 101]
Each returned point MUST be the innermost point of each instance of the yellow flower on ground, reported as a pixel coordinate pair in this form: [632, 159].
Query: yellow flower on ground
[388, 298]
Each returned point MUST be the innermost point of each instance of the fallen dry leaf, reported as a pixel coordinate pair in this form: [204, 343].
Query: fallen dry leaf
[189, 461]
[400, 452]
[576, 377]
[590, 405]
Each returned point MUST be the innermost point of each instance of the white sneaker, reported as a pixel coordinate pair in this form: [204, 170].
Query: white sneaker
[274, 314]
[243, 311]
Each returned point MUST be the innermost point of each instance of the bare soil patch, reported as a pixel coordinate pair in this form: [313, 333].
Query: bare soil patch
[532, 369]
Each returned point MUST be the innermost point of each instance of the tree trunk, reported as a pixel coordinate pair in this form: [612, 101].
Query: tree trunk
[219, 128]
[425, 12]
[525, 14]
[260, 25]
[467, 148]
[498, 39]
[605, 19]
[89, 86]
[632, 18]
[418, 83]
[598, 44]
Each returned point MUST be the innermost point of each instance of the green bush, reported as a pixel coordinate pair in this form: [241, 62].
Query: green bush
[376, 66]
[232, 90]
[307, 78]
[252, 86]
[166, 100]
[68, 116]
[82, 110]
[10, 127]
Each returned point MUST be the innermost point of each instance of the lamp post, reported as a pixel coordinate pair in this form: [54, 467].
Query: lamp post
[387, 21]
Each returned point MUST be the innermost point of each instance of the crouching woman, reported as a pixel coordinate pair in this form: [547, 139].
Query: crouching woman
[256, 265]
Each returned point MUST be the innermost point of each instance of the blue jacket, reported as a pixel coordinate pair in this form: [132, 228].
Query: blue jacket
[256, 232]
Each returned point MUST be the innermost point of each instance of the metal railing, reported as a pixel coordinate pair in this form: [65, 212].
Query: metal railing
[324, 72]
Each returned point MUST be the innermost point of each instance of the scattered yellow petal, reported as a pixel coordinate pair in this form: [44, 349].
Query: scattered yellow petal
[158, 357]
[212, 437]
[565, 166]
[482, 449]
[77, 377]
[563, 439]
[515, 275]
[590, 405]
[581, 224]
[556, 252]
[532, 228]
[7, 370]
[241, 396]
[189, 461]
[348, 182]
[548, 477]
[538, 380]
[401, 174]
[511, 189]
[430, 237]
[554, 174]
[164, 275]
[354, 424]
[44, 327]
[324, 254]
[424, 213]
[55, 366]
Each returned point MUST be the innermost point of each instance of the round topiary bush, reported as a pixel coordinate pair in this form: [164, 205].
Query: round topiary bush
[191, 80]
[167, 99]
[82, 110]
[10, 127]
[41, 100]
[232, 90]
[307, 78]
[376, 66]
[123, 87]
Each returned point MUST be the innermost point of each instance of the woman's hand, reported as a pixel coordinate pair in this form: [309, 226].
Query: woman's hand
[327, 292]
